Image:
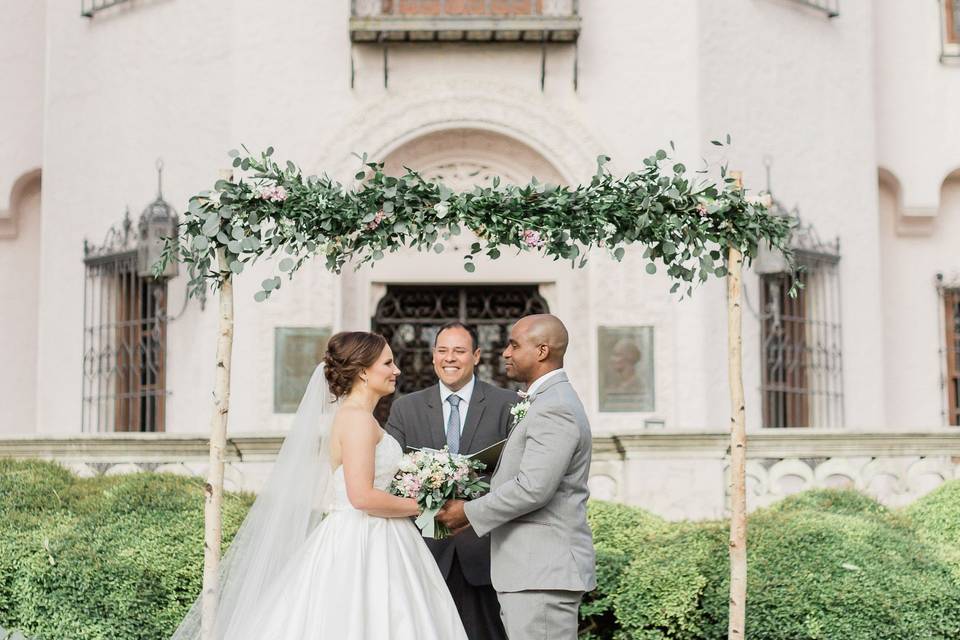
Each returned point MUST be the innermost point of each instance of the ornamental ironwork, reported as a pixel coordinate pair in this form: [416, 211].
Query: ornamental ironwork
[409, 316]
[125, 326]
[801, 336]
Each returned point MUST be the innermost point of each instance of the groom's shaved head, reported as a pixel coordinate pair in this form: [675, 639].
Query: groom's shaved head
[536, 347]
[546, 329]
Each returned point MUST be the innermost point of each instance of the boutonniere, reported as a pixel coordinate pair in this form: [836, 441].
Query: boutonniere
[519, 410]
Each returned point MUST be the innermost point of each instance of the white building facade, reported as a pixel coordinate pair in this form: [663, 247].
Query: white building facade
[850, 108]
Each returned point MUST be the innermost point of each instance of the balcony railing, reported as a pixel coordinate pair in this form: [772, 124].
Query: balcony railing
[676, 473]
[464, 20]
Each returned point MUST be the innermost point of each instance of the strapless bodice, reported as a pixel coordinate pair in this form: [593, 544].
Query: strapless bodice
[386, 462]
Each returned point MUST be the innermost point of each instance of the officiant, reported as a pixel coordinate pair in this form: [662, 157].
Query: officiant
[467, 415]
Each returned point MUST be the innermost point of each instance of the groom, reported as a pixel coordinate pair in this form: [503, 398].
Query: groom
[468, 415]
[542, 558]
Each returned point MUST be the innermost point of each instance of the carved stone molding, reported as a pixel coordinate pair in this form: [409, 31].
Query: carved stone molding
[894, 481]
[674, 473]
[380, 126]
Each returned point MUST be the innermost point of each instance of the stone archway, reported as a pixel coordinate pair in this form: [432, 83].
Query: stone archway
[461, 158]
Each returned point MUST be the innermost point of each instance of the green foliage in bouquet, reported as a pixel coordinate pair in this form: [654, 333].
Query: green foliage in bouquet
[268, 209]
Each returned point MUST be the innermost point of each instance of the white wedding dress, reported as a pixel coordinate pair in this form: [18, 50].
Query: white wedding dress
[357, 577]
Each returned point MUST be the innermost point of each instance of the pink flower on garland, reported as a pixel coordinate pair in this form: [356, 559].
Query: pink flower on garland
[532, 238]
[276, 193]
[377, 219]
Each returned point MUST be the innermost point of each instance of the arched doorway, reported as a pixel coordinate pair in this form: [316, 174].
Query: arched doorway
[409, 313]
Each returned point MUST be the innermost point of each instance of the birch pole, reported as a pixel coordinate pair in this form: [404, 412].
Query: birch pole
[738, 452]
[213, 489]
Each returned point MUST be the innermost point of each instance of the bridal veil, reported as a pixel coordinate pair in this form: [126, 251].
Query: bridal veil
[295, 496]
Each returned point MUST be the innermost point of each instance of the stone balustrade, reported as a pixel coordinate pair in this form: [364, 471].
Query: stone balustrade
[677, 474]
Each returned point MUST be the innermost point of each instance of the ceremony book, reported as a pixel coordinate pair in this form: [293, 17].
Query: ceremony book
[488, 456]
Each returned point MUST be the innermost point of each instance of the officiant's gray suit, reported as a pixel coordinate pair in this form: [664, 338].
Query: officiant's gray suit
[416, 420]
[542, 556]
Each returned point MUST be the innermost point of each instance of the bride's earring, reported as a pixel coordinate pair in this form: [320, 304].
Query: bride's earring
[364, 382]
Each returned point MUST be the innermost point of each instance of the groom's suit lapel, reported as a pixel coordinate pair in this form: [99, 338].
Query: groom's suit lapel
[438, 434]
[552, 382]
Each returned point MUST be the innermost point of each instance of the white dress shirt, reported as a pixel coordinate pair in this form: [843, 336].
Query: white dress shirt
[465, 394]
[536, 384]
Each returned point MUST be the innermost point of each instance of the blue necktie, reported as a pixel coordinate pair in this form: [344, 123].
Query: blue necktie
[453, 424]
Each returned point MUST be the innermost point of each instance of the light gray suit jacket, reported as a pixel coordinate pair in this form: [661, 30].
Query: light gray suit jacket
[536, 511]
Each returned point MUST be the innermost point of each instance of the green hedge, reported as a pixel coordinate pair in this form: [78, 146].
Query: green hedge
[115, 557]
[120, 557]
[936, 519]
[822, 565]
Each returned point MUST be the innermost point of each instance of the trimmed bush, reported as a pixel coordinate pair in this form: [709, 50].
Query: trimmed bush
[618, 531]
[113, 557]
[120, 558]
[936, 518]
[823, 565]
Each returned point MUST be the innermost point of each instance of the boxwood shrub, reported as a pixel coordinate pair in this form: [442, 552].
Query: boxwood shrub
[120, 557]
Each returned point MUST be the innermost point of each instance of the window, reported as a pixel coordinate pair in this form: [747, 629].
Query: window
[124, 339]
[409, 317]
[951, 298]
[951, 21]
[802, 358]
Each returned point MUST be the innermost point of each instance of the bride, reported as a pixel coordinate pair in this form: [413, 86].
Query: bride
[364, 571]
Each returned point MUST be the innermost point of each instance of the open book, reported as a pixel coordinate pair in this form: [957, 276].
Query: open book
[488, 456]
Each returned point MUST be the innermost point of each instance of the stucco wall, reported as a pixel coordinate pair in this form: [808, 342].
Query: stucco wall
[187, 81]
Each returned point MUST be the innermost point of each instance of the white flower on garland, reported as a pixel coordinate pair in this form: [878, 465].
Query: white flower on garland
[519, 411]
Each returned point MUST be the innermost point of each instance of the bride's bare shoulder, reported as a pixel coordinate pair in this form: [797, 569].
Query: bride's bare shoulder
[355, 422]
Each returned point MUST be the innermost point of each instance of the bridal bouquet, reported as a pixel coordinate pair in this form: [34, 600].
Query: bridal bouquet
[432, 477]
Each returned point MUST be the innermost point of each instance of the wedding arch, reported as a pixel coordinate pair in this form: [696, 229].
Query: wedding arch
[695, 228]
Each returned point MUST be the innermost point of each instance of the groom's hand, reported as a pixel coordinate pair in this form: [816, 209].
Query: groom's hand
[452, 515]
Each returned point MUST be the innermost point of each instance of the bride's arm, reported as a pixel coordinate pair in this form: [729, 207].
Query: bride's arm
[358, 444]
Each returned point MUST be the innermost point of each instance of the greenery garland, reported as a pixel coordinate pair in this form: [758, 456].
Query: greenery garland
[687, 224]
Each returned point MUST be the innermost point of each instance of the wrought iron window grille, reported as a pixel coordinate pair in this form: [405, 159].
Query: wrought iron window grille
[801, 338]
[125, 324]
[948, 291]
[409, 316]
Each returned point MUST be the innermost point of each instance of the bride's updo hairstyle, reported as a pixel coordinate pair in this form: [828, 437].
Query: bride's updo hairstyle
[349, 353]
